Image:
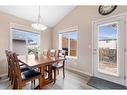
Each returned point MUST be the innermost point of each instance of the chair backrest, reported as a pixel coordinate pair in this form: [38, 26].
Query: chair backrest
[17, 70]
[45, 52]
[61, 53]
[52, 53]
[7, 55]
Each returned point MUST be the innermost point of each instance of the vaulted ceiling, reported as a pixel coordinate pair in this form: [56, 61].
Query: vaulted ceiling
[51, 15]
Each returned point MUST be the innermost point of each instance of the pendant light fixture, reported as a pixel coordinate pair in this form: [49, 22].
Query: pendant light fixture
[38, 26]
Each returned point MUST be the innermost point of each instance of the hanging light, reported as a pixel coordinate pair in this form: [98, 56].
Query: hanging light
[38, 26]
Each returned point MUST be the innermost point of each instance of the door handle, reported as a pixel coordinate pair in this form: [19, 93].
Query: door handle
[94, 49]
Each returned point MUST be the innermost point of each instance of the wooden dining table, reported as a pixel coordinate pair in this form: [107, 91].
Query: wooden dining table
[40, 62]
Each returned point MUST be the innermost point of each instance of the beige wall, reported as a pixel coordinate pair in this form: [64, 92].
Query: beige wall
[82, 16]
[46, 39]
[5, 21]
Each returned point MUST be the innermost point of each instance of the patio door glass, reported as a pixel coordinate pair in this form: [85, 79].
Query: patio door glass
[107, 45]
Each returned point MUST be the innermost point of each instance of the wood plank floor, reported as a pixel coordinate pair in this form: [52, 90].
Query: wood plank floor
[71, 81]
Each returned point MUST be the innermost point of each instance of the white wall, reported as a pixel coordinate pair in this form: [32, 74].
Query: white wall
[82, 16]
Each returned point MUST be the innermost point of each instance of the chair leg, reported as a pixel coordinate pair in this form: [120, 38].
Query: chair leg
[54, 75]
[9, 73]
[63, 73]
[12, 78]
[17, 84]
[58, 71]
[33, 83]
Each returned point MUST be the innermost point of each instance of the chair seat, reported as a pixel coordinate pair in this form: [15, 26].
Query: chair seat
[56, 65]
[24, 68]
[29, 74]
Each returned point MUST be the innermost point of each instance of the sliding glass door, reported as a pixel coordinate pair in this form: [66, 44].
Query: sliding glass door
[25, 43]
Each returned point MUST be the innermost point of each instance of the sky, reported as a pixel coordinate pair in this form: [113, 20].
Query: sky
[22, 34]
[73, 35]
[107, 31]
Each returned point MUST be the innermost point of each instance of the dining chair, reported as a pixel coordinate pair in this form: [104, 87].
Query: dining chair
[52, 53]
[21, 78]
[48, 68]
[59, 65]
[10, 70]
[23, 66]
[45, 52]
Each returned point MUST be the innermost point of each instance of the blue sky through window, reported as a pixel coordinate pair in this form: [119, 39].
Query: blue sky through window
[19, 34]
[108, 32]
[73, 35]
[33, 36]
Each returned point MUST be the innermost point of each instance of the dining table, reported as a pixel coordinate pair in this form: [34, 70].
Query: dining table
[41, 62]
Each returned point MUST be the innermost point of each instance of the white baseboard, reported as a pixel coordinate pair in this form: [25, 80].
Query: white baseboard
[3, 75]
[79, 71]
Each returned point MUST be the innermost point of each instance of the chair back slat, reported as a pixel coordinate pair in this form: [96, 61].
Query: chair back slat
[45, 52]
[16, 66]
[7, 55]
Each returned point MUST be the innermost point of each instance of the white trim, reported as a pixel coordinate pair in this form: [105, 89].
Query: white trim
[71, 57]
[79, 71]
[10, 40]
[22, 27]
[92, 48]
[69, 29]
[126, 50]
[109, 17]
[2, 75]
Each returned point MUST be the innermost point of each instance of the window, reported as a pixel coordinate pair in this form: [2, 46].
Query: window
[25, 43]
[68, 42]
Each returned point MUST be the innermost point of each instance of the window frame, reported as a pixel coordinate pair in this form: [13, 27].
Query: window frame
[71, 29]
[25, 29]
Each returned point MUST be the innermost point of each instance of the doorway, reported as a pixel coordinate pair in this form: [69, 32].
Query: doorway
[108, 49]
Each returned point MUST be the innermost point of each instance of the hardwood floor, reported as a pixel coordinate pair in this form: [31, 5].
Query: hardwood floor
[71, 81]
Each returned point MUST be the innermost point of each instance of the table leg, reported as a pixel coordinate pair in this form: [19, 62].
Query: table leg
[42, 79]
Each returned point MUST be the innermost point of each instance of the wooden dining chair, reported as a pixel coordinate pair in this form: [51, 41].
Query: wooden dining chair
[45, 52]
[52, 53]
[23, 66]
[10, 70]
[56, 66]
[48, 68]
[21, 78]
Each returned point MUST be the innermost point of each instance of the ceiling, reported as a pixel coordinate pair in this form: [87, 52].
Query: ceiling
[51, 15]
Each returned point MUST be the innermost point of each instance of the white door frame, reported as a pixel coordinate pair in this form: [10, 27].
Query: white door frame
[125, 28]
